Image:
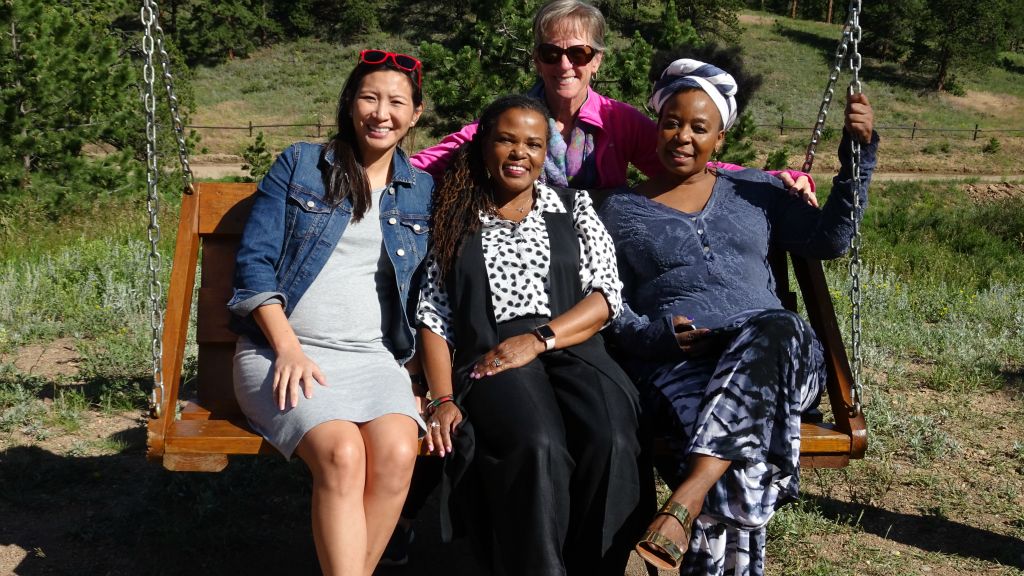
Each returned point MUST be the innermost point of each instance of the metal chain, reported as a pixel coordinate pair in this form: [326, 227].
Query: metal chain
[855, 263]
[153, 206]
[153, 42]
[172, 101]
[849, 43]
[826, 99]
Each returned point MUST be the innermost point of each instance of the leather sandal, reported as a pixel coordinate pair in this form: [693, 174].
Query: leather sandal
[659, 550]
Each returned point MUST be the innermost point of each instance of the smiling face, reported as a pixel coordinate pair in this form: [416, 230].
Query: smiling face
[382, 112]
[564, 83]
[689, 131]
[514, 151]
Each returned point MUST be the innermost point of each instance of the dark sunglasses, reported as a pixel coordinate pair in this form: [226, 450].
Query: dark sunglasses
[579, 55]
[401, 61]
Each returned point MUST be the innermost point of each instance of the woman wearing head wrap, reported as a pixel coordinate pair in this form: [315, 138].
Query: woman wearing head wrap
[703, 330]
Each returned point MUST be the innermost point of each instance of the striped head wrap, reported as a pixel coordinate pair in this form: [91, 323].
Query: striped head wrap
[687, 73]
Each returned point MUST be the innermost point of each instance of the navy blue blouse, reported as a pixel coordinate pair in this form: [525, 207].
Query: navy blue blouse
[713, 265]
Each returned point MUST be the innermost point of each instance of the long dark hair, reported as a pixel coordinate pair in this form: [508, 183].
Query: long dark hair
[347, 177]
[466, 189]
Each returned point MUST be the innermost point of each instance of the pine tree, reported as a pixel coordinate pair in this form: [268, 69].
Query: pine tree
[959, 36]
[64, 83]
[71, 117]
[487, 56]
[675, 32]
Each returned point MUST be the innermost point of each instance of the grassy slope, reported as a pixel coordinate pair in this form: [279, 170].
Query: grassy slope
[299, 82]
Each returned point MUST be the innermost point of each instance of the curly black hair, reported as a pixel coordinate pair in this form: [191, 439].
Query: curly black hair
[466, 190]
[728, 58]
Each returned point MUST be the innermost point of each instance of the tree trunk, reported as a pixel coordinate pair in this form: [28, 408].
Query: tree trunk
[26, 159]
[792, 9]
[941, 75]
[829, 20]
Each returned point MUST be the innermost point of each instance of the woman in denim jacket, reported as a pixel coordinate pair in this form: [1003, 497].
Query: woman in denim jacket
[321, 300]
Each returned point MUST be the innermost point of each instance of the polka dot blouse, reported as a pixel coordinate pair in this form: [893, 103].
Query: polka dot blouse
[517, 258]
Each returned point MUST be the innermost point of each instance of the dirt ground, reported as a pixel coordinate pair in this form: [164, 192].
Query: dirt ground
[88, 502]
[84, 499]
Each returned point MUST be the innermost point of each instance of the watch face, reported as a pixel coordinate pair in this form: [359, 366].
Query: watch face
[545, 332]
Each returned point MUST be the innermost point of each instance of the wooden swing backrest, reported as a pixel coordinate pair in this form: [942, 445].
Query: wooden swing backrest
[211, 427]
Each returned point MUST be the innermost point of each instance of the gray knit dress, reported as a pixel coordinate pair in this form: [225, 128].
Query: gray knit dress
[341, 323]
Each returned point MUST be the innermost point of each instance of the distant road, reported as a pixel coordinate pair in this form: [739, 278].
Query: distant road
[905, 176]
[214, 171]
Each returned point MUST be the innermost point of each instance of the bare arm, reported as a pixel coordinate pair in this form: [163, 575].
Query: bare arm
[436, 358]
[573, 327]
[293, 370]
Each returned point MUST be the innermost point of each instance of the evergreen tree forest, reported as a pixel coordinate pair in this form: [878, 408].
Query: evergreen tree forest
[71, 120]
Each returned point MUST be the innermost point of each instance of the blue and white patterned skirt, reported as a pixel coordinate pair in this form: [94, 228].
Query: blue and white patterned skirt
[744, 406]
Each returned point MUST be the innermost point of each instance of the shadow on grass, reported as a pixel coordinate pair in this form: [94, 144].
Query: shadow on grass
[929, 533]
[122, 515]
[1014, 379]
[883, 72]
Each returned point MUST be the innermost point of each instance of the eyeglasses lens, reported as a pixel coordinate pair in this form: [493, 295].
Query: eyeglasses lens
[374, 56]
[579, 55]
[406, 62]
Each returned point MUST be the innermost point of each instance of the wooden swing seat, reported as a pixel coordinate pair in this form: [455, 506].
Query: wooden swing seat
[199, 434]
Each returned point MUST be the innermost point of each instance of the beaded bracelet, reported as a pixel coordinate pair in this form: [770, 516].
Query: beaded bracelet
[433, 405]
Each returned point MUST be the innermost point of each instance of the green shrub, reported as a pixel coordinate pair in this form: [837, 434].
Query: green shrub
[777, 159]
[991, 147]
[257, 158]
[942, 147]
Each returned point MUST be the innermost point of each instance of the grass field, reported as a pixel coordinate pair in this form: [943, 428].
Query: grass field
[941, 491]
[298, 83]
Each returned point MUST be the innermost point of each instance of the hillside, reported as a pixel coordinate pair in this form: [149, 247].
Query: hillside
[298, 83]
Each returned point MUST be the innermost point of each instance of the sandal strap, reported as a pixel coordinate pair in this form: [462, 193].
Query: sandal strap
[679, 512]
[653, 537]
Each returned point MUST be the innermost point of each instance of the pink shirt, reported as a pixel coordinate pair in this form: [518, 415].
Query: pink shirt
[624, 136]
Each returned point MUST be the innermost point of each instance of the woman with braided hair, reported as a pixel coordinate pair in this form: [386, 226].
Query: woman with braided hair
[520, 278]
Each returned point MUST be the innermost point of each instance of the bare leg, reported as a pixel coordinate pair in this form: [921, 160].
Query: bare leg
[391, 450]
[704, 471]
[336, 456]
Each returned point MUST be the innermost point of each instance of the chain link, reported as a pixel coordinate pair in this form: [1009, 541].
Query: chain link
[826, 99]
[153, 43]
[855, 242]
[848, 44]
[156, 397]
[172, 100]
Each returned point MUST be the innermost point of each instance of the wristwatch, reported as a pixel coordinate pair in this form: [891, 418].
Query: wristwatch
[545, 334]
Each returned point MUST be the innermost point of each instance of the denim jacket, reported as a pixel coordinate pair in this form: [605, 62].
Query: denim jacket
[291, 232]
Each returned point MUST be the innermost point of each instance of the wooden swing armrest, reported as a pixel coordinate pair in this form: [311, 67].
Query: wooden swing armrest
[839, 384]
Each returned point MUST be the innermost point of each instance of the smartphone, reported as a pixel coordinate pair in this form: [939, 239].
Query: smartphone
[724, 332]
[680, 328]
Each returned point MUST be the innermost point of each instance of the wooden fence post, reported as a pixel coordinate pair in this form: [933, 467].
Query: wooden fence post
[250, 128]
[975, 131]
[913, 131]
[782, 124]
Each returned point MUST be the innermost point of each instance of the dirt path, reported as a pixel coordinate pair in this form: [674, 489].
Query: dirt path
[213, 171]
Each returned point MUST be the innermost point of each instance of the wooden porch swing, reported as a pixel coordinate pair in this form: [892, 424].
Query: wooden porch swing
[198, 434]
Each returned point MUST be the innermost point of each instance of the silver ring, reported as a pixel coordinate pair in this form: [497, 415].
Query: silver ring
[435, 424]
[497, 362]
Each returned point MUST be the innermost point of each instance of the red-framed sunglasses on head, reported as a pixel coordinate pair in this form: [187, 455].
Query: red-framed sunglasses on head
[401, 61]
